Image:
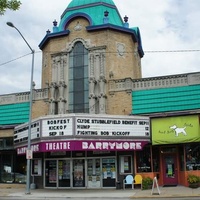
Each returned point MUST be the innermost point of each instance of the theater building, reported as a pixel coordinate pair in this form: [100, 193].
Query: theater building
[83, 151]
[82, 133]
[95, 119]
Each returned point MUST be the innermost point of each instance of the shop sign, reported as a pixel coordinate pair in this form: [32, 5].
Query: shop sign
[71, 145]
[174, 130]
[111, 145]
[57, 127]
[56, 146]
[112, 127]
[34, 148]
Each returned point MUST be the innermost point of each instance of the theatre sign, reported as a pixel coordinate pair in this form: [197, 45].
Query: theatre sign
[85, 133]
[86, 145]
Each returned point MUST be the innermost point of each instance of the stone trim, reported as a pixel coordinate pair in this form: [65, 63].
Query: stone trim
[38, 94]
[129, 84]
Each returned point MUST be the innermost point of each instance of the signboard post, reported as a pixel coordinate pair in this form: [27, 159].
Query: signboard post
[155, 185]
[29, 154]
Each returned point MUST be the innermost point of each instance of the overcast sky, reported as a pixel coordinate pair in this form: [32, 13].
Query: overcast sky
[167, 25]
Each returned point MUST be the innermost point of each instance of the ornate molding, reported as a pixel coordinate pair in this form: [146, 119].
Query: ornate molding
[86, 43]
[78, 26]
[120, 49]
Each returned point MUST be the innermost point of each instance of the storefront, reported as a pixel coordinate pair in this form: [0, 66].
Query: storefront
[83, 151]
[80, 172]
[177, 139]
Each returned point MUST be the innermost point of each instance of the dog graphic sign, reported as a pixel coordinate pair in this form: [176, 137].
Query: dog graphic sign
[174, 130]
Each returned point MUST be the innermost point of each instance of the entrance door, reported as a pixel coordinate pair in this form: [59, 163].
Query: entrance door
[57, 173]
[79, 173]
[51, 173]
[93, 173]
[109, 172]
[63, 173]
[170, 170]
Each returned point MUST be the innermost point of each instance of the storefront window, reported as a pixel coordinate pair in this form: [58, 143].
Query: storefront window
[36, 167]
[10, 170]
[143, 159]
[6, 143]
[156, 160]
[192, 152]
[6, 169]
[125, 165]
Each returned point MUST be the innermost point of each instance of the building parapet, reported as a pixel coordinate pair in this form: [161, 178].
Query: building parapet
[38, 94]
[129, 84]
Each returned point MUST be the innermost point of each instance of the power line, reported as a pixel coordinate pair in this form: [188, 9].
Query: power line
[14, 59]
[17, 58]
[173, 51]
[153, 51]
[148, 51]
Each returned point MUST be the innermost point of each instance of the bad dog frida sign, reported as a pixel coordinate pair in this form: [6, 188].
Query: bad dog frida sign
[173, 130]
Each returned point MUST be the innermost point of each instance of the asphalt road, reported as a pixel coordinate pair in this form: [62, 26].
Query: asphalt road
[82, 198]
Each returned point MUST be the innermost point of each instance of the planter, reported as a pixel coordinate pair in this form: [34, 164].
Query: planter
[149, 186]
[193, 180]
[147, 183]
[193, 185]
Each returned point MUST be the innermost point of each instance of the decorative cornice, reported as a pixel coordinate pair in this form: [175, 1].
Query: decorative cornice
[129, 84]
[51, 36]
[39, 94]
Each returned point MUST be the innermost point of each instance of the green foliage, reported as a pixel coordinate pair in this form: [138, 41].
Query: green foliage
[9, 4]
[193, 179]
[147, 183]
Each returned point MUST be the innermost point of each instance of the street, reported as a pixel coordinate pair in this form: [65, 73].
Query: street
[99, 198]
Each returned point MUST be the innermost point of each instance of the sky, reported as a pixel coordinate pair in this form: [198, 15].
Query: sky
[169, 30]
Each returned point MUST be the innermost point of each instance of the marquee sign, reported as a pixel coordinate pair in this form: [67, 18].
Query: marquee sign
[84, 126]
[56, 127]
[112, 127]
[21, 132]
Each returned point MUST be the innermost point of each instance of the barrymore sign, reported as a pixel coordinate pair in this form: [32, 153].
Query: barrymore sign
[71, 145]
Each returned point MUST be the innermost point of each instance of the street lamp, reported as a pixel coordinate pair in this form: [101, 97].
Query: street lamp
[30, 113]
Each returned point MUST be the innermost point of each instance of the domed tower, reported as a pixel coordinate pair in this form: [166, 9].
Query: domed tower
[90, 47]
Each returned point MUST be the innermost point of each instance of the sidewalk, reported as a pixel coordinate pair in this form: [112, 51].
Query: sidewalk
[19, 191]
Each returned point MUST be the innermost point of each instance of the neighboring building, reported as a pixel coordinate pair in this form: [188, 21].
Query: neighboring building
[173, 103]
[14, 110]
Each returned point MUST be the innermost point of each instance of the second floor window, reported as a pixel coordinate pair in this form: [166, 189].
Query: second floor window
[78, 80]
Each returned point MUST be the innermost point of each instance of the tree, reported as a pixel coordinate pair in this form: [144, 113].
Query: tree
[9, 4]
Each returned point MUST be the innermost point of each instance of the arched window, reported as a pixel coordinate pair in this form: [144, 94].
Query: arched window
[78, 80]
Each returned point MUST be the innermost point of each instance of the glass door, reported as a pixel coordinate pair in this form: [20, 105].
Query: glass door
[79, 173]
[109, 172]
[63, 173]
[51, 173]
[170, 170]
[93, 173]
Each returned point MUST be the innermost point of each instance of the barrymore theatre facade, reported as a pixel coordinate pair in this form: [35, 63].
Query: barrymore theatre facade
[86, 51]
[83, 151]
